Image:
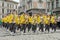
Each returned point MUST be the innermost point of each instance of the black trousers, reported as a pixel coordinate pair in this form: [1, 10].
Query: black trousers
[13, 27]
[19, 27]
[4, 24]
[7, 25]
[47, 27]
[54, 27]
[50, 25]
[34, 27]
[10, 27]
[24, 27]
[41, 27]
[29, 26]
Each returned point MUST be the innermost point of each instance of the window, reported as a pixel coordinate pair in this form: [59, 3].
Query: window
[48, 4]
[57, 3]
[2, 3]
[10, 5]
[52, 5]
[23, 7]
[40, 1]
[13, 6]
[2, 10]
[40, 6]
[0, 16]
[7, 5]
[29, 1]
[30, 5]
[10, 11]
[7, 10]
[57, 0]
[16, 7]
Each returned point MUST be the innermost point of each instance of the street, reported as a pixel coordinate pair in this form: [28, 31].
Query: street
[22, 19]
[5, 35]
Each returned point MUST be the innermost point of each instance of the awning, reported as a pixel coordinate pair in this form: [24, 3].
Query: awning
[36, 10]
[56, 10]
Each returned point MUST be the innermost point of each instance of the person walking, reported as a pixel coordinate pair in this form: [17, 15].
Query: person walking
[54, 22]
[47, 23]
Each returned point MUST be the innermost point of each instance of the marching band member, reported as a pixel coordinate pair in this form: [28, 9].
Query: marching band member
[5, 21]
[15, 22]
[13, 26]
[30, 19]
[18, 23]
[22, 22]
[10, 21]
[7, 24]
[53, 21]
[40, 22]
[34, 23]
[47, 23]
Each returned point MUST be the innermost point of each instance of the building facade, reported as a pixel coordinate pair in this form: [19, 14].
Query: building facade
[53, 4]
[56, 3]
[56, 6]
[7, 7]
[33, 4]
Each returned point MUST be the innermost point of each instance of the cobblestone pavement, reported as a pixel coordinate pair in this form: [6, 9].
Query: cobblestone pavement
[4, 35]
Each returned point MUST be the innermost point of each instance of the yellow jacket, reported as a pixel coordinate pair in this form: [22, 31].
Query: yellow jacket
[16, 19]
[38, 19]
[44, 19]
[22, 19]
[31, 20]
[5, 20]
[53, 19]
[48, 20]
[10, 18]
